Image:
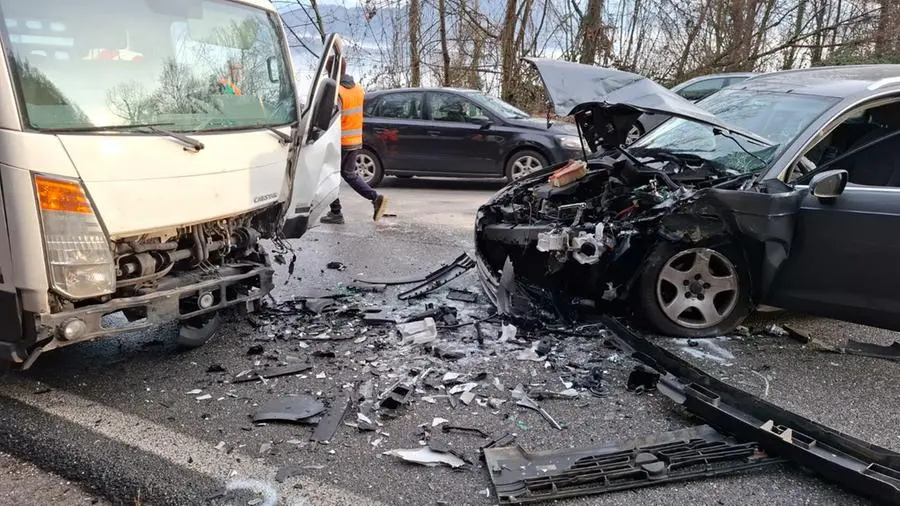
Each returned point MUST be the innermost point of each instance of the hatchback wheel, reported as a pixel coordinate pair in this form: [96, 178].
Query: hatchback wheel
[634, 133]
[369, 167]
[523, 163]
[695, 292]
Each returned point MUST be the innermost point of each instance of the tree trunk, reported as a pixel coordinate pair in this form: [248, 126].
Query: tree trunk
[415, 68]
[591, 32]
[445, 51]
[508, 51]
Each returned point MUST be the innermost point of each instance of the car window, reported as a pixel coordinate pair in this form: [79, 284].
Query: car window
[864, 144]
[453, 108]
[400, 106]
[370, 106]
[702, 89]
[734, 80]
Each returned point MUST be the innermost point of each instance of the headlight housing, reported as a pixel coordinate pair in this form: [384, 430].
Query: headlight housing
[78, 253]
[569, 141]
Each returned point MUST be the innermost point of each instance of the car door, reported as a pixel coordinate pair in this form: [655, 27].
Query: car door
[841, 259]
[314, 162]
[459, 137]
[397, 130]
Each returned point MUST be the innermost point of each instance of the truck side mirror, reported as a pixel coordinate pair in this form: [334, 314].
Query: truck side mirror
[325, 108]
[274, 71]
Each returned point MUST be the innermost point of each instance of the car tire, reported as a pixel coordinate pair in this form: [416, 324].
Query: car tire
[677, 302]
[522, 163]
[368, 166]
[196, 332]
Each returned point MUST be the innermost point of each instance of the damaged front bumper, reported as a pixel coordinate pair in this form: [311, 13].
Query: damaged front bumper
[235, 285]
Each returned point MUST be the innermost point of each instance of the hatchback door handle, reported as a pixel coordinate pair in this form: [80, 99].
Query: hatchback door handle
[378, 130]
[434, 133]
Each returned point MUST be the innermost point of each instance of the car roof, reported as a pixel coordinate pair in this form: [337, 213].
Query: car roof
[393, 90]
[839, 81]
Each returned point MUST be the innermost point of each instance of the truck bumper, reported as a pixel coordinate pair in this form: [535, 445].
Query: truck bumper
[178, 298]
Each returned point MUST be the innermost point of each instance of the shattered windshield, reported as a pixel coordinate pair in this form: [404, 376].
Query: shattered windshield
[192, 65]
[779, 117]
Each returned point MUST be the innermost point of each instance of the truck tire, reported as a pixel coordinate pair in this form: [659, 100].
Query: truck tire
[196, 332]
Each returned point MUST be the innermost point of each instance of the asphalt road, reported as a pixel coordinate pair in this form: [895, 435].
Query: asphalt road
[116, 415]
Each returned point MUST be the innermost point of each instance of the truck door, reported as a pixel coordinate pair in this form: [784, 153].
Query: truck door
[315, 163]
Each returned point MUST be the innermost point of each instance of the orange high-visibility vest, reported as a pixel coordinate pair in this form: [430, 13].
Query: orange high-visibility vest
[351, 116]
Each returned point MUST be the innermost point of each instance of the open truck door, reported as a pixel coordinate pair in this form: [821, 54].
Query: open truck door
[314, 165]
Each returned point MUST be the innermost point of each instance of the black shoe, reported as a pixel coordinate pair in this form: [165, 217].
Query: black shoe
[332, 219]
[380, 204]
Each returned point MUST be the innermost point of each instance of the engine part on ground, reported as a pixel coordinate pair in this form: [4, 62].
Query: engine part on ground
[522, 477]
[865, 468]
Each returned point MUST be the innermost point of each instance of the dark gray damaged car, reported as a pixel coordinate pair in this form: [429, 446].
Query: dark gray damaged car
[783, 190]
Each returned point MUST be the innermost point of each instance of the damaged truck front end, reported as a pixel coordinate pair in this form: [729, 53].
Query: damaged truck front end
[115, 220]
[686, 241]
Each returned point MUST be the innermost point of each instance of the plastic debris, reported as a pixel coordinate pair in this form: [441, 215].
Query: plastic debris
[420, 332]
[427, 457]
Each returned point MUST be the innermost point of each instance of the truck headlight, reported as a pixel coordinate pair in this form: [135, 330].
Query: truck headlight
[78, 253]
[569, 141]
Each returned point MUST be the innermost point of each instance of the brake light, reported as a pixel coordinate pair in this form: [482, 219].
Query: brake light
[77, 249]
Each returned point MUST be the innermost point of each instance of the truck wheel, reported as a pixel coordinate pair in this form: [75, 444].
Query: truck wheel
[695, 291]
[196, 332]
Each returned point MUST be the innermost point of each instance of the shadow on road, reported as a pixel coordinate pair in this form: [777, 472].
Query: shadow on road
[443, 184]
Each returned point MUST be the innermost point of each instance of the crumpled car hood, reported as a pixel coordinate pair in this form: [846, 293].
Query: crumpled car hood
[574, 88]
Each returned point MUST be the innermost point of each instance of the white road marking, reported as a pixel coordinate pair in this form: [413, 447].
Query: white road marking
[177, 448]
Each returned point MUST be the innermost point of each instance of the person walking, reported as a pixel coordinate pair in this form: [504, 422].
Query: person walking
[351, 97]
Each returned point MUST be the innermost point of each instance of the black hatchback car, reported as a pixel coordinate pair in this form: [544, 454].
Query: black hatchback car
[448, 132]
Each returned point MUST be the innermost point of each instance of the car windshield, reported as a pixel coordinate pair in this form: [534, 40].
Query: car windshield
[499, 107]
[778, 117]
[192, 65]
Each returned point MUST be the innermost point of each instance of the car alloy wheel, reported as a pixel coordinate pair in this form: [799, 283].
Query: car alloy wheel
[634, 133]
[366, 167]
[524, 165]
[698, 288]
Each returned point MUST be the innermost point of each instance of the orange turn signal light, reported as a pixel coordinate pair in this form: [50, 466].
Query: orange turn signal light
[61, 195]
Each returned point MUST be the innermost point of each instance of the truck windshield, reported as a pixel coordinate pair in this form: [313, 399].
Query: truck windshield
[193, 65]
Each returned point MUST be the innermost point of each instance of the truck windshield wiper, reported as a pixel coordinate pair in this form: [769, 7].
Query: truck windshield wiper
[285, 138]
[153, 127]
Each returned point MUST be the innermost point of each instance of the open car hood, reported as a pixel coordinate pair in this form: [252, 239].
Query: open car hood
[606, 102]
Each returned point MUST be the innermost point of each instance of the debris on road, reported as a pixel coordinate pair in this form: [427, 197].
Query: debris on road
[427, 457]
[521, 477]
[336, 266]
[299, 408]
[329, 424]
[527, 402]
[440, 277]
[419, 332]
[891, 352]
[797, 334]
[270, 372]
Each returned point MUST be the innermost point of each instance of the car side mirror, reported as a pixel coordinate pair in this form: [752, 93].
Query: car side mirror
[483, 122]
[325, 108]
[828, 185]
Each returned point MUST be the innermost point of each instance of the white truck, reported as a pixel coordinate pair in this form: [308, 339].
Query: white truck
[146, 146]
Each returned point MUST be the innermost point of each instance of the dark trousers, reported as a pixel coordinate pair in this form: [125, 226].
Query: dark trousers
[348, 173]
